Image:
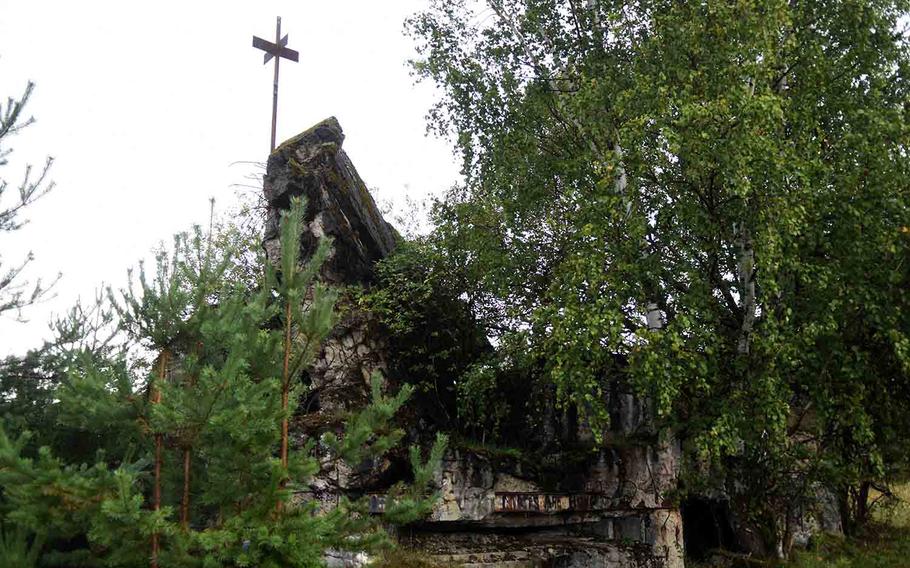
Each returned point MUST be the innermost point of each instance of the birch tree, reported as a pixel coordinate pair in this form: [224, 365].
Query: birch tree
[753, 195]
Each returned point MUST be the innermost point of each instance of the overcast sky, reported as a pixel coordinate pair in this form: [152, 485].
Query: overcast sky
[146, 105]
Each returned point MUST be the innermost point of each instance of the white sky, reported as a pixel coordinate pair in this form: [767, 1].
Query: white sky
[145, 105]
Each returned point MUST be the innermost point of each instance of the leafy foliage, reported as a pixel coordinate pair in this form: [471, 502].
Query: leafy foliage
[707, 199]
[432, 333]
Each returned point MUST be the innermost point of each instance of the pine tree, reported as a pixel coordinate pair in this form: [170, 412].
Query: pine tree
[204, 426]
[15, 293]
[18, 549]
[307, 308]
[166, 314]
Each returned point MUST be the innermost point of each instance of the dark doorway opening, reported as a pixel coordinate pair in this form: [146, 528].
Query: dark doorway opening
[706, 527]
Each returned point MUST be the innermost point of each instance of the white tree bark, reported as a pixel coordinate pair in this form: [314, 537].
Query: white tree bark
[745, 269]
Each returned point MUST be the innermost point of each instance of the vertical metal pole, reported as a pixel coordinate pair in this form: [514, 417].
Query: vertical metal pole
[275, 85]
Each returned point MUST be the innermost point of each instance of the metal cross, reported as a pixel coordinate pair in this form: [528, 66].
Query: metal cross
[277, 50]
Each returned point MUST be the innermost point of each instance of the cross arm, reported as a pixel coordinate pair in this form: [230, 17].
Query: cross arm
[275, 50]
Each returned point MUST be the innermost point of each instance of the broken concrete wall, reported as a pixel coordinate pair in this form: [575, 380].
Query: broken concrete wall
[608, 507]
[314, 166]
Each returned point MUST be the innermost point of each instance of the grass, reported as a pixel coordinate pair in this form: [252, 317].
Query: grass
[884, 544]
[401, 557]
[880, 546]
[491, 450]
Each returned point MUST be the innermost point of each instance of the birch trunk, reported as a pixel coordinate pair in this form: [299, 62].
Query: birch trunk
[745, 269]
[653, 315]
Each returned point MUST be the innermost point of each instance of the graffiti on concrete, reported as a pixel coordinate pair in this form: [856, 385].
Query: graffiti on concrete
[550, 502]
[514, 502]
